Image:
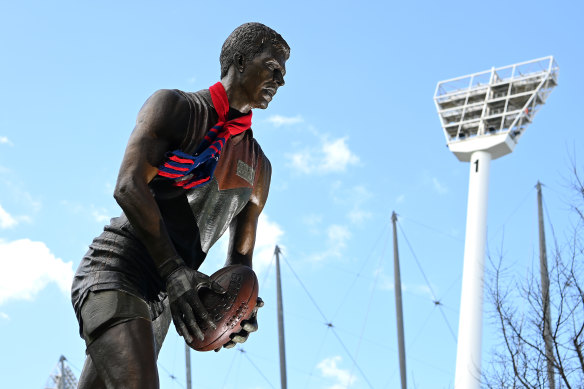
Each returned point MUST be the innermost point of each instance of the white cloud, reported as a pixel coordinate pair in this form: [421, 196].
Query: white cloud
[337, 237]
[269, 234]
[358, 216]
[337, 156]
[5, 141]
[6, 220]
[387, 283]
[313, 223]
[329, 369]
[26, 267]
[333, 156]
[400, 199]
[353, 199]
[438, 187]
[359, 196]
[278, 120]
[4, 316]
[101, 216]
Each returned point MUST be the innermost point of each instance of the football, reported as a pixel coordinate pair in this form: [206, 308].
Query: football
[230, 309]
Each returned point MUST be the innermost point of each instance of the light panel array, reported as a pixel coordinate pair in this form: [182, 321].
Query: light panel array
[494, 102]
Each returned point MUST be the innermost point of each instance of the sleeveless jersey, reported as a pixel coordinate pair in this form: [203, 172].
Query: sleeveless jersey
[194, 218]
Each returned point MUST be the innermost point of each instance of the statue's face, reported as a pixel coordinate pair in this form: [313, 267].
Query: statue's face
[262, 76]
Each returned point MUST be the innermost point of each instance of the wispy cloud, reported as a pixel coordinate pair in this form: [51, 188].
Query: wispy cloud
[313, 222]
[269, 234]
[337, 237]
[4, 316]
[6, 220]
[100, 215]
[387, 283]
[278, 120]
[355, 199]
[329, 369]
[439, 187]
[333, 156]
[5, 141]
[18, 282]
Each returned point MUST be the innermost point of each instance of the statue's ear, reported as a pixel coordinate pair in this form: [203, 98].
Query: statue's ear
[239, 62]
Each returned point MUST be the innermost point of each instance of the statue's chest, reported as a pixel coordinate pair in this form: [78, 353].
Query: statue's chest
[215, 204]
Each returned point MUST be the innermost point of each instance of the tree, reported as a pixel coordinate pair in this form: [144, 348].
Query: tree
[519, 311]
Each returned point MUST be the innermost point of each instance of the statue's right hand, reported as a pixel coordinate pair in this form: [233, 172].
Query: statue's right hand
[186, 307]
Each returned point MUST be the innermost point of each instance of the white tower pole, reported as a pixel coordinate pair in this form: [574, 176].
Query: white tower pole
[483, 115]
[470, 326]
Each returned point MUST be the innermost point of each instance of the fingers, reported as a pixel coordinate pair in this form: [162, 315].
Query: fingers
[202, 313]
[240, 337]
[260, 302]
[180, 326]
[250, 325]
[191, 322]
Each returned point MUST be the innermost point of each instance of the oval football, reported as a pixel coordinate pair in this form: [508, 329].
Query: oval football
[229, 309]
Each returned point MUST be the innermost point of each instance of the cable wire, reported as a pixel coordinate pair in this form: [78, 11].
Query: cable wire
[255, 366]
[329, 324]
[378, 272]
[316, 355]
[432, 228]
[517, 207]
[229, 370]
[436, 300]
[172, 376]
[359, 272]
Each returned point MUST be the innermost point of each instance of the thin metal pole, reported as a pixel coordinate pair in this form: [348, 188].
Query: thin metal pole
[470, 324]
[281, 342]
[398, 306]
[545, 292]
[188, 362]
[62, 380]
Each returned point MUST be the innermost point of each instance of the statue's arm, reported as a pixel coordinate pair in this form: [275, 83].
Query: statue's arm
[242, 235]
[160, 127]
[243, 228]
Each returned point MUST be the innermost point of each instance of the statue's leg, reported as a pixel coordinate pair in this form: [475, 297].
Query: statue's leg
[124, 356]
[120, 342]
[161, 325]
[89, 378]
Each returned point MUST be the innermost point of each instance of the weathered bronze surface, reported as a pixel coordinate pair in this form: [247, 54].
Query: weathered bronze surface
[163, 236]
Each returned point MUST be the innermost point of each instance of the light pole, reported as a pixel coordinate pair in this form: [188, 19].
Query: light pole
[483, 115]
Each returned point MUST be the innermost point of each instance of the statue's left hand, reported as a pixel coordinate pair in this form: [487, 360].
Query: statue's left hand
[248, 326]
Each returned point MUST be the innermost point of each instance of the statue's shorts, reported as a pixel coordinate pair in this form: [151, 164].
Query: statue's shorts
[104, 309]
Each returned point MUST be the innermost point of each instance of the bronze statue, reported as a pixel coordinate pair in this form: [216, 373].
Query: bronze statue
[191, 169]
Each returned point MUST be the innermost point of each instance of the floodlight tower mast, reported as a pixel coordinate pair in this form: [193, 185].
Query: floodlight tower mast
[483, 115]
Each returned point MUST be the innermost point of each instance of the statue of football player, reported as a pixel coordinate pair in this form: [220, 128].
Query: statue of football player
[191, 169]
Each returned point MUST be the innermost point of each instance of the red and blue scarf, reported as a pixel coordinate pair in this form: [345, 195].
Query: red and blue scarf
[189, 171]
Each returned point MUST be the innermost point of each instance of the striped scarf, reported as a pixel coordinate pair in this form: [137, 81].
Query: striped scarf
[189, 171]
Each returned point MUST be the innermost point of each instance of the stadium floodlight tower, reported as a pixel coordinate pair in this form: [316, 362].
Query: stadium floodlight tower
[483, 116]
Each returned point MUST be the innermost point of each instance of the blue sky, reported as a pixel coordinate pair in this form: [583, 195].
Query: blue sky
[352, 136]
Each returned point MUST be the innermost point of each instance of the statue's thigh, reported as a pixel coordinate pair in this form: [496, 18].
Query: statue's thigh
[160, 326]
[124, 356]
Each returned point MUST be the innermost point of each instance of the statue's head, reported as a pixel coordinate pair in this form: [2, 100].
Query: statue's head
[249, 40]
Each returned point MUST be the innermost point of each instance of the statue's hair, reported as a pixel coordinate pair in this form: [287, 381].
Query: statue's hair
[250, 39]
